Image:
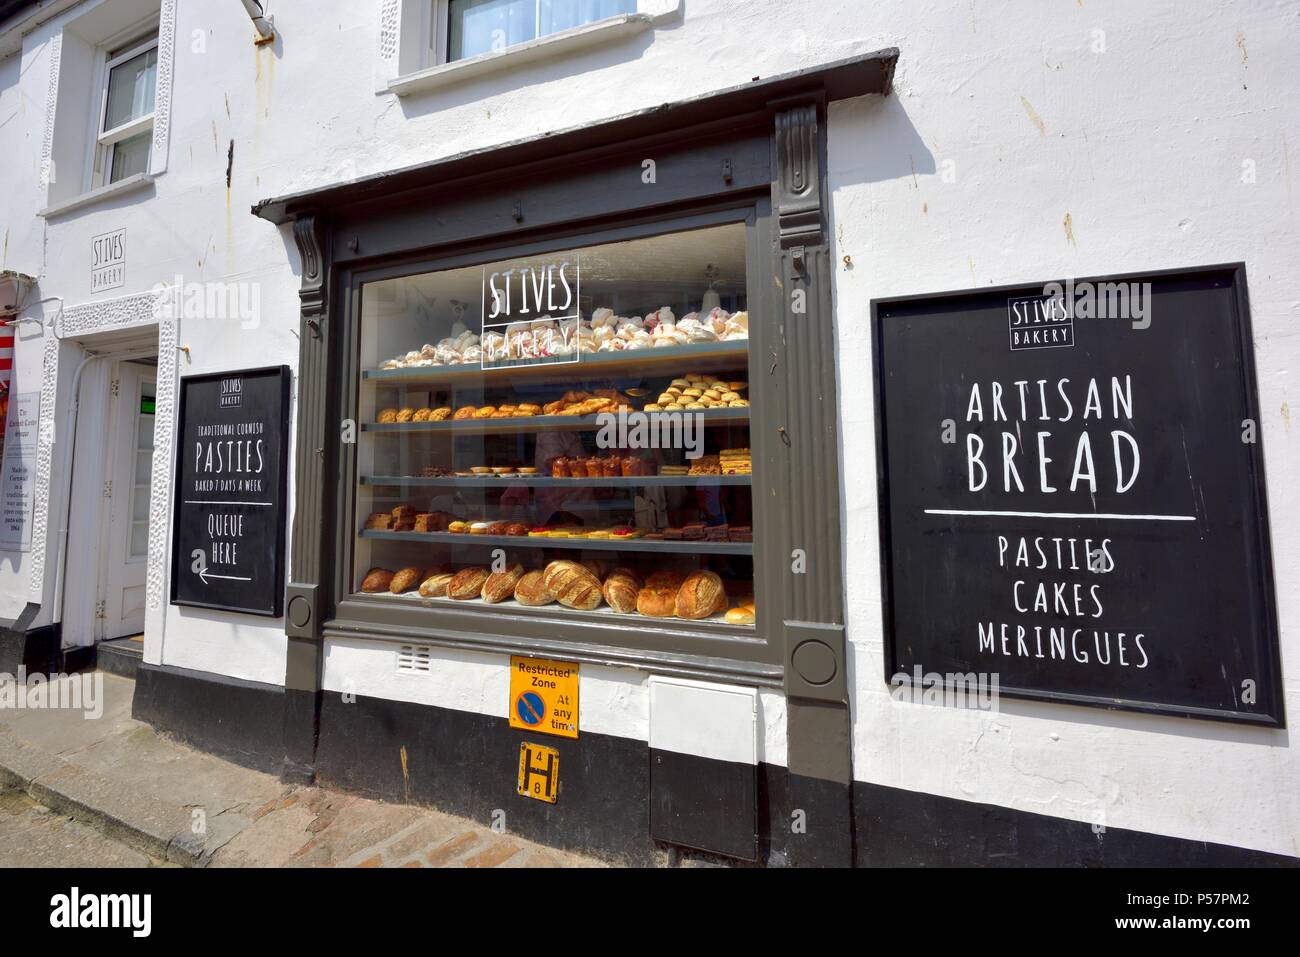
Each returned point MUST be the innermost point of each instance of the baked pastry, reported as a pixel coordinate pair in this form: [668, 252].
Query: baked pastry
[404, 513]
[465, 412]
[531, 590]
[458, 528]
[440, 414]
[620, 590]
[377, 580]
[435, 586]
[467, 583]
[517, 529]
[421, 415]
[405, 580]
[380, 520]
[386, 416]
[405, 415]
[479, 528]
[486, 412]
[740, 616]
[501, 585]
[572, 585]
[700, 596]
[658, 598]
[498, 528]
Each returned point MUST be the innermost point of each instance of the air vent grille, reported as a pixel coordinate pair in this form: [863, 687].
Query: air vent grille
[413, 659]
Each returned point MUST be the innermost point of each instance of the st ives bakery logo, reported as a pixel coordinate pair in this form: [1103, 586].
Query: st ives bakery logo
[531, 312]
[108, 260]
[232, 393]
[1040, 322]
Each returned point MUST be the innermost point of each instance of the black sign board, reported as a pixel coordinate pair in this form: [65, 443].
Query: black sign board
[231, 471]
[1079, 511]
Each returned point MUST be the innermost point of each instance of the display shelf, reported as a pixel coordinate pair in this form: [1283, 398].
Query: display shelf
[540, 481]
[580, 544]
[711, 418]
[669, 360]
[603, 613]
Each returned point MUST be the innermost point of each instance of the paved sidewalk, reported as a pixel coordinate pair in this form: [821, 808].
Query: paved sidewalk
[112, 792]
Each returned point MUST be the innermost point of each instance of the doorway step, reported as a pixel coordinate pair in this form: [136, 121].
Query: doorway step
[121, 656]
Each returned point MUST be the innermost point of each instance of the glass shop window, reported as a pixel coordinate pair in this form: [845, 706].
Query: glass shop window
[483, 26]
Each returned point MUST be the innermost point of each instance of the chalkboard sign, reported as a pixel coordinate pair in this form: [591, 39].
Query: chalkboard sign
[228, 538]
[1072, 494]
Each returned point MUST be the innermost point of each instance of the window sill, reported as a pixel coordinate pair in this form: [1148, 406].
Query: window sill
[544, 48]
[131, 184]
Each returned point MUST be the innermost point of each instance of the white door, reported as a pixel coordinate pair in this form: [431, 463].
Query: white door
[125, 557]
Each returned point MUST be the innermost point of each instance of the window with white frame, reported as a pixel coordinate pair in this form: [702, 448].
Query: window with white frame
[470, 28]
[125, 132]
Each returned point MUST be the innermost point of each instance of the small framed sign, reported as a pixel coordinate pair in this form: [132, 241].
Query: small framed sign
[1078, 514]
[231, 471]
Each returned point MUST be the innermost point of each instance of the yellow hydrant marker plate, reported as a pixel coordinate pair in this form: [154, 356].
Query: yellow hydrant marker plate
[539, 772]
[544, 696]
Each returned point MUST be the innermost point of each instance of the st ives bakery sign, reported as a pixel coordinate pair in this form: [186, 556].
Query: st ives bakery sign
[108, 260]
[228, 545]
[1081, 516]
[531, 313]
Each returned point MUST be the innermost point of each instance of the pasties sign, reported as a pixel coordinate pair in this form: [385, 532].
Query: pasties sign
[1082, 518]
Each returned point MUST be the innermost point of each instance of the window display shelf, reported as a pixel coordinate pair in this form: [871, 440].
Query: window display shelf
[581, 544]
[550, 423]
[663, 361]
[505, 481]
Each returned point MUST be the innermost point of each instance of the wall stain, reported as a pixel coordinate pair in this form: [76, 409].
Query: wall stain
[1241, 45]
[1034, 117]
[406, 777]
[1286, 416]
[1068, 223]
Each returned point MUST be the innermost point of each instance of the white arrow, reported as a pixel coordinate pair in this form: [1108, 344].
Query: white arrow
[234, 578]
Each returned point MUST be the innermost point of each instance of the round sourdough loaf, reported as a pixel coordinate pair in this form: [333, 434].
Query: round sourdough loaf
[501, 585]
[572, 585]
[658, 599]
[467, 583]
[700, 596]
[376, 580]
[621, 589]
[531, 590]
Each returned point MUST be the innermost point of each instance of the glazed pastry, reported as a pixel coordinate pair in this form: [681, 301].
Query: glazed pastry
[572, 585]
[700, 596]
[486, 412]
[387, 416]
[405, 415]
[405, 580]
[421, 415]
[458, 528]
[436, 585]
[465, 412]
[467, 583]
[479, 528]
[377, 580]
[440, 414]
[620, 590]
[559, 467]
[501, 585]
[531, 590]
[498, 528]
[517, 529]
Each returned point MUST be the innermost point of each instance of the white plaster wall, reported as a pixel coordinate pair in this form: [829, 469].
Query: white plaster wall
[611, 701]
[1142, 146]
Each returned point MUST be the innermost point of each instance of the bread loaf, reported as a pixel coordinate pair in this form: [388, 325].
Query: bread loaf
[467, 583]
[376, 580]
[405, 580]
[531, 590]
[620, 590]
[435, 586]
[572, 585]
[658, 599]
[501, 585]
[700, 596]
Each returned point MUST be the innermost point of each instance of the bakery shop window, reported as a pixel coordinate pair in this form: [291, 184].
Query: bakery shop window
[563, 434]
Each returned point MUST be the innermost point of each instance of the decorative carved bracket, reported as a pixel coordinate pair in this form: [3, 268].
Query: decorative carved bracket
[798, 192]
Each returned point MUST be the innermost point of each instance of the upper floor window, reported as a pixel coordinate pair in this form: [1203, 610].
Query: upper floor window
[476, 27]
[125, 131]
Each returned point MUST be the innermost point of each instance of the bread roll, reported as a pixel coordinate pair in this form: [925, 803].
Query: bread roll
[501, 585]
[531, 590]
[621, 589]
[658, 599]
[377, 580]
[572, 585]
[405, 580]
[467, 583]
[740, 616]
[700, 596]
[435, 586]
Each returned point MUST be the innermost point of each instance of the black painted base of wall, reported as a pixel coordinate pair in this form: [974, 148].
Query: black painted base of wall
[895, 828]
[36, 649]
[467, 764]
[241, 721]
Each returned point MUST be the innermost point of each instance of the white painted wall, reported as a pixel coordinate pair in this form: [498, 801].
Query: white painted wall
[1142, 145]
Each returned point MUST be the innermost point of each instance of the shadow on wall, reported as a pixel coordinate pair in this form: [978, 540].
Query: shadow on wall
[874, 141]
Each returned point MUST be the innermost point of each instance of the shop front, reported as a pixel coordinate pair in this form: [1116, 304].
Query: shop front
[567, 408]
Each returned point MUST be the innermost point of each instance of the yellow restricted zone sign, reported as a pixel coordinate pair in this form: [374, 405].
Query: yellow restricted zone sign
[539, 772]
[544, 696]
